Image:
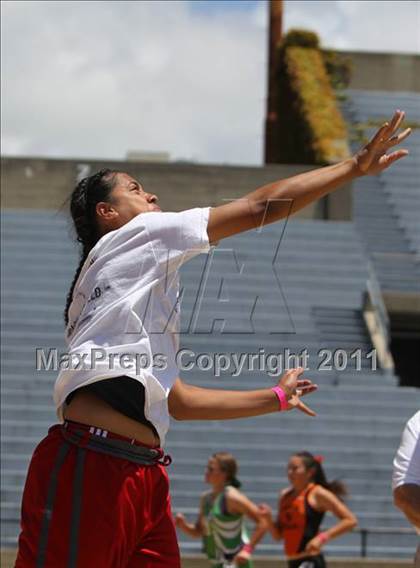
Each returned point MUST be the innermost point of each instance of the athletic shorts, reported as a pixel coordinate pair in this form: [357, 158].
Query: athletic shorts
[310, 562]
[90, 501]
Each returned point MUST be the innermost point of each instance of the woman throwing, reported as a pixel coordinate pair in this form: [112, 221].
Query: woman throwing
[302, 508]
[221, 519]
[96, 492]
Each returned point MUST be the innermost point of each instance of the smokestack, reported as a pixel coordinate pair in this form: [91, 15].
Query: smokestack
[274, 38]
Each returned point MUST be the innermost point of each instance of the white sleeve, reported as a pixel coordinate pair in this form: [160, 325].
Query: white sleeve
[407, 459]
[177, 237]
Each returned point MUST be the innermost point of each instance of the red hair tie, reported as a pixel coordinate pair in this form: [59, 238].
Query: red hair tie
[319, 459]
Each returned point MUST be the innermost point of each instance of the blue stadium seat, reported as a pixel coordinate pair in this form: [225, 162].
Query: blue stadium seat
[315, 302]
[387, 207]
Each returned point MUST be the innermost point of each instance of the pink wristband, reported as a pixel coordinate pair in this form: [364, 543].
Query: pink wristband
[248, 548]
[323, 537]
[281, 395]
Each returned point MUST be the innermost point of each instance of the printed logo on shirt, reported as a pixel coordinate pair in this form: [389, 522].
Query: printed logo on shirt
[93, 301]
[98, 292]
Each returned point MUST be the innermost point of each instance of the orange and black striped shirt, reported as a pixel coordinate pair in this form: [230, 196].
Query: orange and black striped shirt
[298, 521]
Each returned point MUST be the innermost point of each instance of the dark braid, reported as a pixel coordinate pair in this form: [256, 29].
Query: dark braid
[314, 462]
[87, 193]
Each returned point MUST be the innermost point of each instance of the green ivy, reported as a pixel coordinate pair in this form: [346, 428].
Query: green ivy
[311, 128]
[301, 38]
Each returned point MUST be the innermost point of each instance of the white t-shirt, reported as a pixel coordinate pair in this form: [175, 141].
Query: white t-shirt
[124, 317]
[407, 459]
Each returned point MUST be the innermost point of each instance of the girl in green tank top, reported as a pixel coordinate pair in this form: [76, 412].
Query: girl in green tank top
[221, 522]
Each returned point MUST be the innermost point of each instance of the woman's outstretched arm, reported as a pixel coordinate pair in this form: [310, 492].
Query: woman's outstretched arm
[188, 402]
[282, 198]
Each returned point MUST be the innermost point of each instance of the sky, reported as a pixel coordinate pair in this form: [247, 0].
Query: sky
[96, 79]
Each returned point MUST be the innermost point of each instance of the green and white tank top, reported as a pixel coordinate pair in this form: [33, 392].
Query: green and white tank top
[224, 533]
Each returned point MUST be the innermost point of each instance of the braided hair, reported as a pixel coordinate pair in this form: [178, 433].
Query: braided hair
[87, 193]
[314, 462]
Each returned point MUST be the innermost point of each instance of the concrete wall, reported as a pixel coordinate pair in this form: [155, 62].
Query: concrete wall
[37, 183]
[385, 71]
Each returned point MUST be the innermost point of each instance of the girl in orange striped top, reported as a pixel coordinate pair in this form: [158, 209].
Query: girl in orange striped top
[302, 508]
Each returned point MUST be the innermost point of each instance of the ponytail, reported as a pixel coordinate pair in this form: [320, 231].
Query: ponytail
[315, 463]
[229, 466]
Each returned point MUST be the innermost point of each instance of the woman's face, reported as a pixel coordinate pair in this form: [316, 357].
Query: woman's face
[127, 200]
[297, 473]
[130, 198]
[214, 474]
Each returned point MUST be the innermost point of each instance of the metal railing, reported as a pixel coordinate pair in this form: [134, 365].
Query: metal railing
[377, 320]
[366, 531]
[375, 296]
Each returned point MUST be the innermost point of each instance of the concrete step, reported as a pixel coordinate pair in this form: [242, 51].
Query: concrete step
[195, 483]
[374, 478]
[347, 545]
[300, 438]
[334, 406]
[241, 450]
[341, 394]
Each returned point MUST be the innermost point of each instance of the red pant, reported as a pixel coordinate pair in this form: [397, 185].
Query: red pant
[84, 509]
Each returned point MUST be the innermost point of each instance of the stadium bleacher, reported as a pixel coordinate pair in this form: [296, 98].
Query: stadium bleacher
[387, 207]
[315, 301]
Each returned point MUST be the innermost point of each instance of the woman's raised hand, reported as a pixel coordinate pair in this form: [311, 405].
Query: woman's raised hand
[373, 158]
[294, 388]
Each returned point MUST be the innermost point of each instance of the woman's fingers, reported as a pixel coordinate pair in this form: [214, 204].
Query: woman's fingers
[393, 124]
[303, 383]
[305, 386]
[397, 139]
[388, 159]
[373, 159]
[305, 409]
[379, 136]
[306, 390]
[289, 380]
[396, 121]
[297, 388]
[296, 403]
[387, 130]
[297, 371]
